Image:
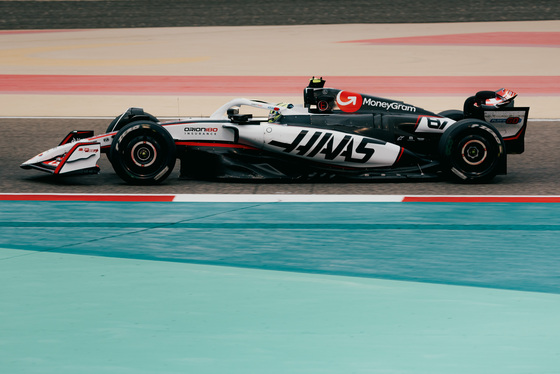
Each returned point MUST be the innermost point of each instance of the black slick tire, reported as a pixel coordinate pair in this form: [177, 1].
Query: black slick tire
[131, 115]
[454, 114]
[472, 151]
[143, 153]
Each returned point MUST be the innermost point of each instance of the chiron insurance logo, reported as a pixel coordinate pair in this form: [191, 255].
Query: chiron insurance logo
[349, 101]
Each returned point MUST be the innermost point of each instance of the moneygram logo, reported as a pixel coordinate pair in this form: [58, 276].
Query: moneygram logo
[389, 105]
[349, 101]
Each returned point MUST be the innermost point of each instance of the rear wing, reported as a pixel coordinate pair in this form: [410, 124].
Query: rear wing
[511, 122]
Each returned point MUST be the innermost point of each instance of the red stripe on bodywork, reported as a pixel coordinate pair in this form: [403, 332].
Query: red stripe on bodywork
[270, 85]
[481, 199]
[399, 157]
[516, 136]
[219, 145]
[69, 153]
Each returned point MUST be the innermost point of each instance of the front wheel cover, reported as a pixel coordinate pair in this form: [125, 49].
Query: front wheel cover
[131, 115]
[143, 153]
[472, 151]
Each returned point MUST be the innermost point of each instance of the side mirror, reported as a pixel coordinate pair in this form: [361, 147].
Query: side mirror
[232, 112]
[241, 118]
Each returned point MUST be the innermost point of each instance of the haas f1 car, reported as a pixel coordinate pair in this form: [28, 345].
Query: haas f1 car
[335, 134]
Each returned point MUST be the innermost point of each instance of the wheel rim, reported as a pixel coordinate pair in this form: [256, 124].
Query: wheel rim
[474, 152]
[472, 155]
[143, 154]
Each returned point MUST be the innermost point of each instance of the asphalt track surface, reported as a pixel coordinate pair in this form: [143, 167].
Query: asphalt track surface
[172, 13]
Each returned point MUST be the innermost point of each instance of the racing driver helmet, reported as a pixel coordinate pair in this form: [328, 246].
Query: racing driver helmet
[488, 100]
[274, 115]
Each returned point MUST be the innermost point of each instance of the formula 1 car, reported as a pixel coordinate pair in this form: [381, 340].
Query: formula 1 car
[335, 134]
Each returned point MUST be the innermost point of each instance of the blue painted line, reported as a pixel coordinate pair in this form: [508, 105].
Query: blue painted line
[497, 245]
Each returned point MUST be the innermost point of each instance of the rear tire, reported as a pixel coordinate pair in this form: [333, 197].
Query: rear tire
[472, 151]
[143, 153]
[454, 114]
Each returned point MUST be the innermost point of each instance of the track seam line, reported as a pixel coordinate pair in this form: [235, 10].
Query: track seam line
[56, 249]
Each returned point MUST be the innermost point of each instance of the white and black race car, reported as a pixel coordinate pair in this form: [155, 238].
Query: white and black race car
[335, 134]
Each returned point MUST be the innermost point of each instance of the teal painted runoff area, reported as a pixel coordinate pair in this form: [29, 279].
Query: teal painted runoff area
[279, 288]
[498, 245]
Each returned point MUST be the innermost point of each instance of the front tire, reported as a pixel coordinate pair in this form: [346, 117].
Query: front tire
[131, 115]
[472, 151]
[143, 153]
